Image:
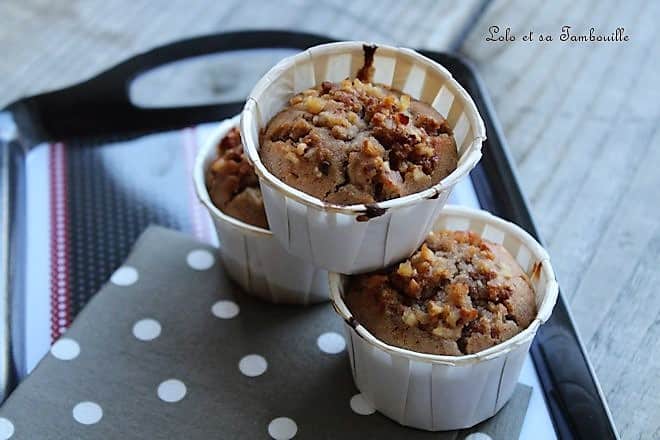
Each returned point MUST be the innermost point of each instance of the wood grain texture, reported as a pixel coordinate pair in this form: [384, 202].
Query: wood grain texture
[582, 122]
[48, 45]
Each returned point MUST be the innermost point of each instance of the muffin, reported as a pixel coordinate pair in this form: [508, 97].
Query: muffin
[355, 142]
[460, 283]
[232, 183]
[458, 294]
[347, 140]
[250, 254]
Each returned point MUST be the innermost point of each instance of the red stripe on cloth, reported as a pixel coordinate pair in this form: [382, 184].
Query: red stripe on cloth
[198, 215]
[60, 310]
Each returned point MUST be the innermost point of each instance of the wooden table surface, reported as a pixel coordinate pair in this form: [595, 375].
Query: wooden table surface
[581, 119]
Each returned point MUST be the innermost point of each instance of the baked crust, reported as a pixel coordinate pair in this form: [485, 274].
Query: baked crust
[233, 184]
[458, 294]
[354, 142]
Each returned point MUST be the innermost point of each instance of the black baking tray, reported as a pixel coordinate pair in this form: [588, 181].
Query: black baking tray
[99, 110]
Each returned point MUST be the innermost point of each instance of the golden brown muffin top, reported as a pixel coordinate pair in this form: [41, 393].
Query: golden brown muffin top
[355, 142]
[233, 184]
[458, 294]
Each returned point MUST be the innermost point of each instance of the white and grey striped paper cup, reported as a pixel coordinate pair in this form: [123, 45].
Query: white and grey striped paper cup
[250, 254]
[434, 392]
[330, 236]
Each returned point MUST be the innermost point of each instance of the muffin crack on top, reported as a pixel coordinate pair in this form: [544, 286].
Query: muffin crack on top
[355, 142]
[458, 294]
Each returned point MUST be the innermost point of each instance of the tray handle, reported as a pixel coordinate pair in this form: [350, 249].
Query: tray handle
[102, 104]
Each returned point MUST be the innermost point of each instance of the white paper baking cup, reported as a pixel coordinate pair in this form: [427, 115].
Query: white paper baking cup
[435, 392]
[329, 235]
[250, 254]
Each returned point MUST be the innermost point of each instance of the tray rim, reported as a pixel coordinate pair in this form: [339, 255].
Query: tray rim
[26, 123]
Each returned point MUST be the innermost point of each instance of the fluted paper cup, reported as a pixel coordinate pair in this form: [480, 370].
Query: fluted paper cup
[436, 392]
[250, 254]
[358, 238]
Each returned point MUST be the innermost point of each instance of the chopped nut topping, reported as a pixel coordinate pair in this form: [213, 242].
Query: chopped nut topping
[414, 288]
[340, 132]
[341, 117]
[457, 293]
[405, 269]
[460, 293]
[300, 148]
[291, 157]
[433, 308]
[422, 317]
[452, 315]
[447, 333]
[328, 119]
[370, 149]
[299, 129]
[424, 150]
[418, 175]
[426, 253]
[297, 99]
[468, 314]
[314, 105]
[409, 318]
[232, 183]
[389, 101]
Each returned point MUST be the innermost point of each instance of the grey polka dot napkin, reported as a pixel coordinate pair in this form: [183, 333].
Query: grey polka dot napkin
[170, 349]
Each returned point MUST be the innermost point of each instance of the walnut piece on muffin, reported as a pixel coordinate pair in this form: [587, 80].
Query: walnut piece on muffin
[233, 184]
[355, 142]
[458, 294]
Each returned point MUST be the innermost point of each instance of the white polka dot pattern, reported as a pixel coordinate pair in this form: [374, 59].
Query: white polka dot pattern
[65, 349]
[478, 436]
[253, 365]
[172, 390]
[6, 429]
[360, 405]
[282, 428]
[225, 309]
[331, 343]
[87, 413]
[125, 276]
[200, 259]
[146, 329]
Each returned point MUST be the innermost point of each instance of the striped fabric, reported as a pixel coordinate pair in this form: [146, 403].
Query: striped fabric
[87, 203]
